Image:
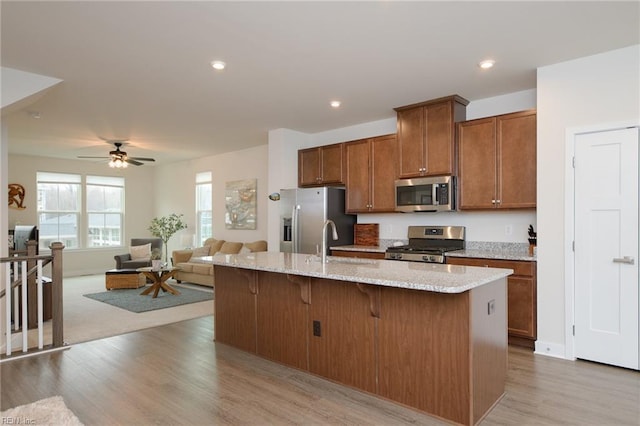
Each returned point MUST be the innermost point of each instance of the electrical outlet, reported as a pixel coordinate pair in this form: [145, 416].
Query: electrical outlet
[317, 331]
[491, 307]
[508, 230]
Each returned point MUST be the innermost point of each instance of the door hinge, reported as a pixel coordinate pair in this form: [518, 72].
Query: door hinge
[574, 330]
[573, 162]
[573, 246]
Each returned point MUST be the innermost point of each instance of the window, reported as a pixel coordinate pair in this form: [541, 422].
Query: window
[204, 228]
[105, 201]
[61, 216]
[59, 209]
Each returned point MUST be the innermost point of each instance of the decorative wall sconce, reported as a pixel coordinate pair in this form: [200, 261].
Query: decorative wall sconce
[16, 196]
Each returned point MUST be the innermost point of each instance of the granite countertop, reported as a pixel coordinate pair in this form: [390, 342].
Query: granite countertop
[498, 251]
[474, 249]
[410, 275]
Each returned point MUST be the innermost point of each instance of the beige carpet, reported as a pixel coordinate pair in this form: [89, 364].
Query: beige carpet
[86, 319]
[50, 411]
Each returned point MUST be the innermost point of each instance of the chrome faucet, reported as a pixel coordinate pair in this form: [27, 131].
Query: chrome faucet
[324, 237]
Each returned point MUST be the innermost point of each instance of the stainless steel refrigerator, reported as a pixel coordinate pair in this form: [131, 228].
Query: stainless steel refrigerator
[303, 212]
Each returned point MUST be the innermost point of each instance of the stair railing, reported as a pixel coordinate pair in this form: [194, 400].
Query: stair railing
[25, 292]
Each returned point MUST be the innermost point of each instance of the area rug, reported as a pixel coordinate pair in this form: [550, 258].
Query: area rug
[49, 411]
[131, 300]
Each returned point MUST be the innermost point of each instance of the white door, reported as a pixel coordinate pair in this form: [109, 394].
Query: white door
[606, 247]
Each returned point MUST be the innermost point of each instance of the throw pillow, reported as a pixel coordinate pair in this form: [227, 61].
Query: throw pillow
[260, 245]
[140, 252]
[230, 247]
[200, 251]
[244, 250]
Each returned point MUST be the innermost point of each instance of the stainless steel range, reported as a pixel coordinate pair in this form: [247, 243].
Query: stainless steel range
[428, 244]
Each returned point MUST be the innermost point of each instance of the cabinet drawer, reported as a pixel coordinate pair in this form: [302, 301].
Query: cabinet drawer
[359, 254]
[522, 268]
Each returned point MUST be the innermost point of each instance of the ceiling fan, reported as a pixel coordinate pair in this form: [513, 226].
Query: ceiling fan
[120, 159]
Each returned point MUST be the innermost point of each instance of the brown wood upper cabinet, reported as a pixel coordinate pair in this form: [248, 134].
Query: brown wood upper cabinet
[321, 165]
[370, 169]
[497, 162]
[426, 136]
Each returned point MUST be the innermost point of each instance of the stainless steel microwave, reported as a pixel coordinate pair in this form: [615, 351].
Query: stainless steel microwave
[426, 194]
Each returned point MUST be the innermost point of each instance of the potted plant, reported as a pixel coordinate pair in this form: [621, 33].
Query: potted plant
[164, 228]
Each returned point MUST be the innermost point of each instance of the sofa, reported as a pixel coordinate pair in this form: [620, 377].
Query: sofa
[202, 273]
[127, 261]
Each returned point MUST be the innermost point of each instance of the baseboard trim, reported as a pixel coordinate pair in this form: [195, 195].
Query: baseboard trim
[554, 350]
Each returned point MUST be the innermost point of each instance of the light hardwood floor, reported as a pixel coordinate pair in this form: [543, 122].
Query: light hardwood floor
[175, 374]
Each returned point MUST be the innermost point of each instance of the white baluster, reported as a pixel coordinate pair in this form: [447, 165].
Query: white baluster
[7, 306]
[25, 309]
[40, 306]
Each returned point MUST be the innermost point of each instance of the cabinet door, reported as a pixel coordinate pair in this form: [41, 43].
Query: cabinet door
[357, 176]
[411, 142]
[517, 160]
[331, 164]
[383, 173]
[309, 167]
[521, 300]
[477, 164]
[439, 139]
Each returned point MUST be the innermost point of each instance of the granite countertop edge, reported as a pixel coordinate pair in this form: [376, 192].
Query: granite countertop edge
[431, 277]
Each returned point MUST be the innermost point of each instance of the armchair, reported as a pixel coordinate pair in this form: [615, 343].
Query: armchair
[124, 261]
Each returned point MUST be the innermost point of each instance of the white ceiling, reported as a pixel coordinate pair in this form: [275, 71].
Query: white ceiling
[140, 70]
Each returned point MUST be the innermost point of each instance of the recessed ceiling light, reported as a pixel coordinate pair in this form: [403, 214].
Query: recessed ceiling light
[486, 64]
[218, 65]
[335, 104]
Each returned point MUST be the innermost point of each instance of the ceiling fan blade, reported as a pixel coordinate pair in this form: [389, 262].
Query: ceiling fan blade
[141, 159]
[132, 161]
[85, 156]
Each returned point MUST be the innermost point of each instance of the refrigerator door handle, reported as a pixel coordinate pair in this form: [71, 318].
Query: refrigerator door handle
[294, 229]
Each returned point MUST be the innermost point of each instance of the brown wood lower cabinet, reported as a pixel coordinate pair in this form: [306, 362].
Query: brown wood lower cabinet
[441, 353]
[359, 254]
[522, 296]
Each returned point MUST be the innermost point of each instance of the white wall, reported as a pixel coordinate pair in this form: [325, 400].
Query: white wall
[594, 90]
[175, 191]
[481, 226]
[139, 205]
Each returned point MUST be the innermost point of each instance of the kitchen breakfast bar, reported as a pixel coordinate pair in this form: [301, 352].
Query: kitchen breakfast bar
[428, 336]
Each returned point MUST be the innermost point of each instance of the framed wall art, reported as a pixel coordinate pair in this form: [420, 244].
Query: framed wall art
[240, 203]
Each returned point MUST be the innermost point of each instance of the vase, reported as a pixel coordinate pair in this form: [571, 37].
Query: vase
[156, 264]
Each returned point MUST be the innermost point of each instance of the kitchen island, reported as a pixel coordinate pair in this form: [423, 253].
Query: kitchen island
[428, 336]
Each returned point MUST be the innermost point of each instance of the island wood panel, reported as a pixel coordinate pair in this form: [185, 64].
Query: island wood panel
[424, 351]
[489, 347]
[235, 307]
[522, 296]
[282, 318]
[346, 349]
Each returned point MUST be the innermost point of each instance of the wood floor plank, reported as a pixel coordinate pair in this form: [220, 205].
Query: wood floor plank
[175, 374]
